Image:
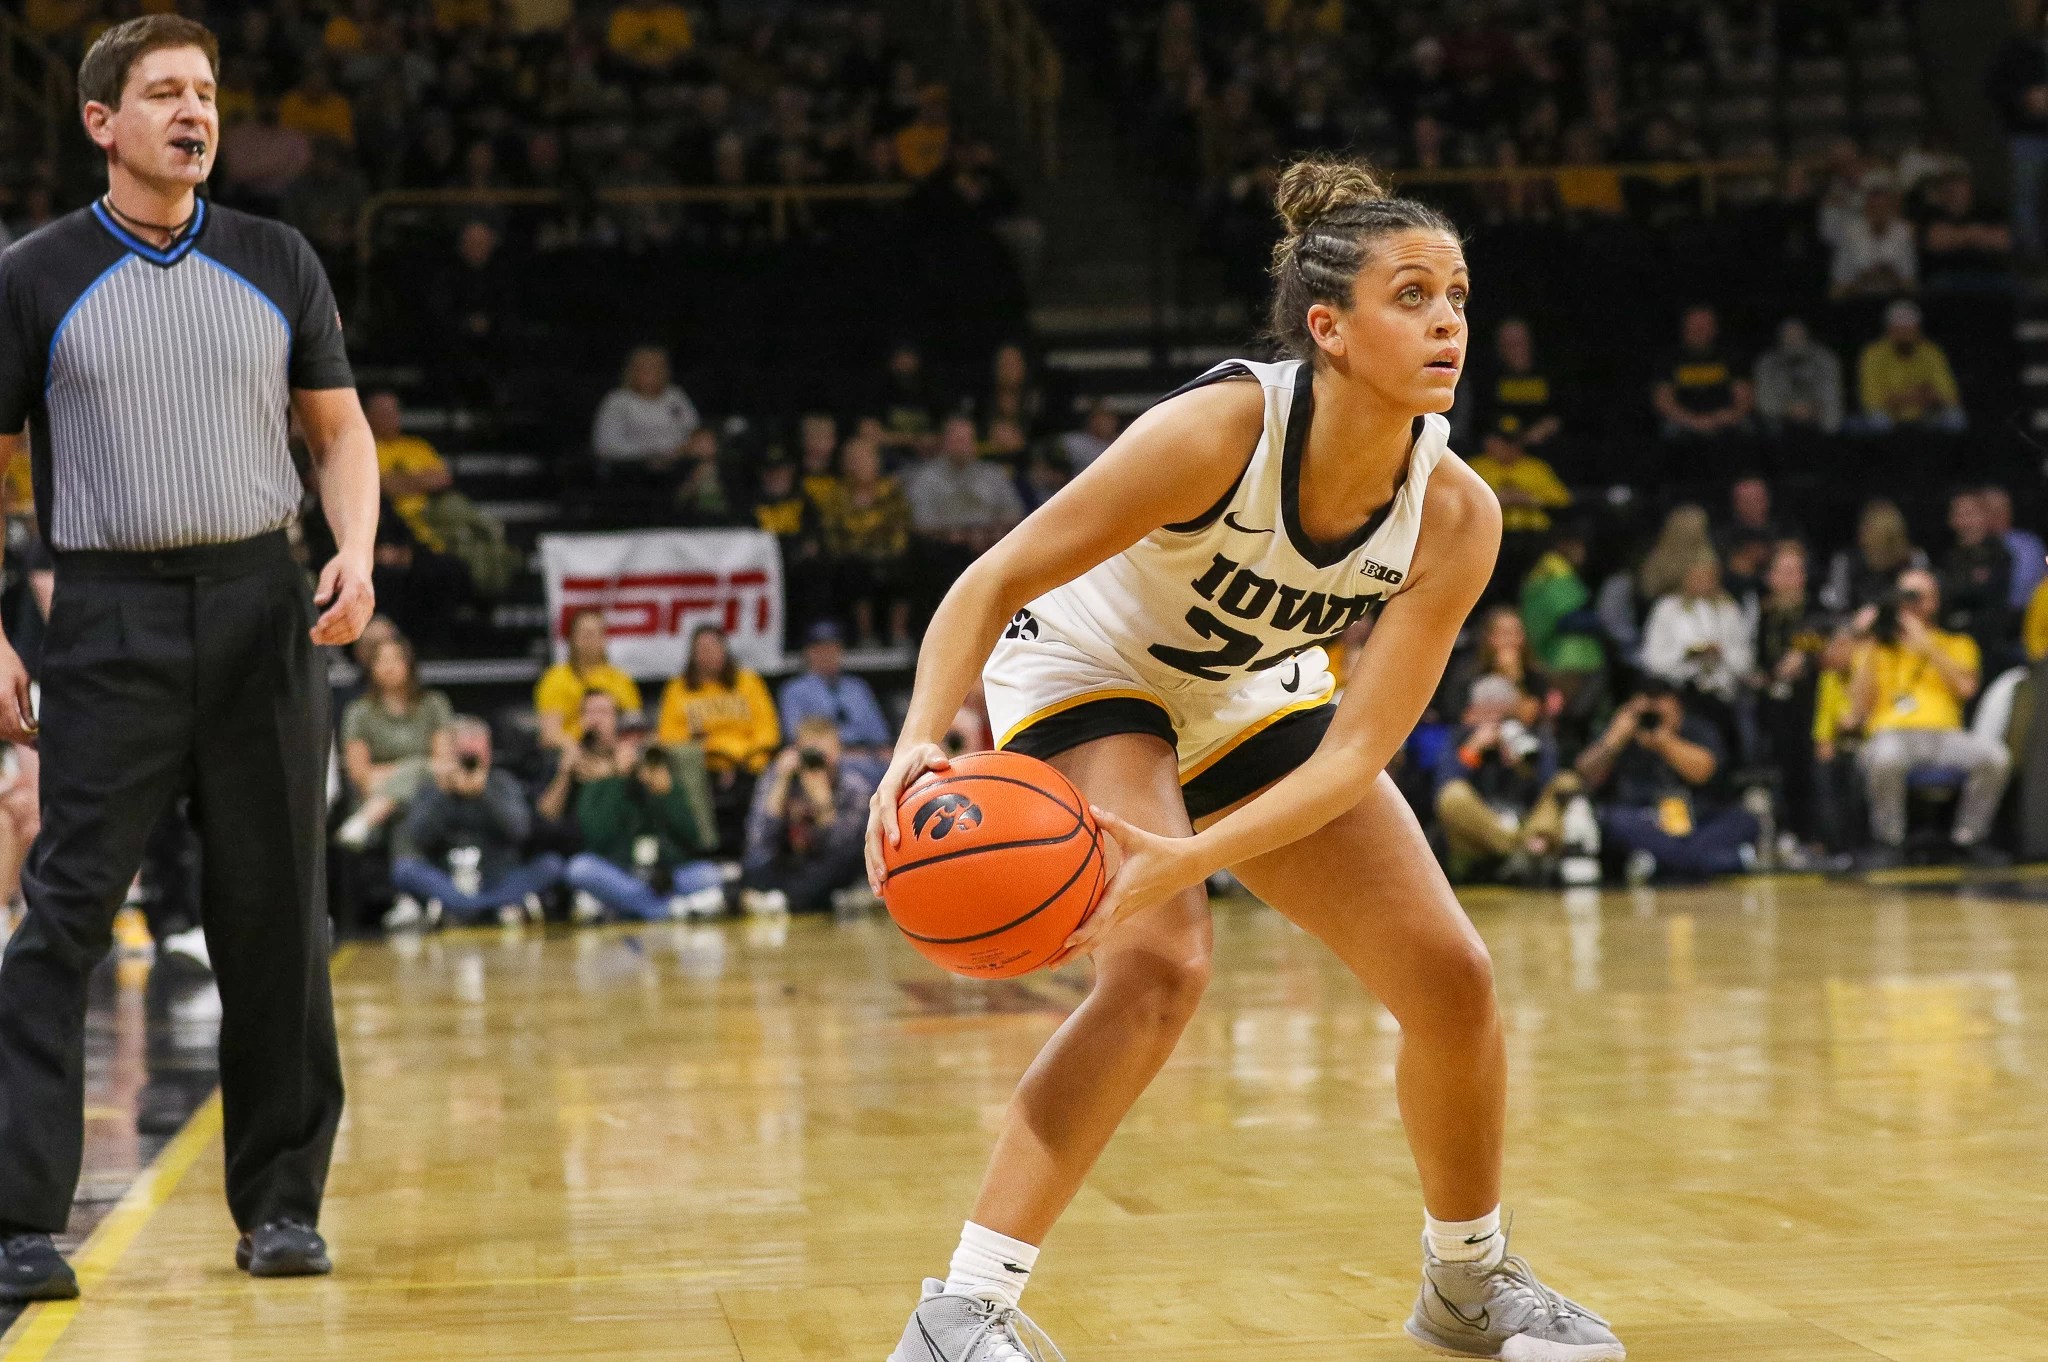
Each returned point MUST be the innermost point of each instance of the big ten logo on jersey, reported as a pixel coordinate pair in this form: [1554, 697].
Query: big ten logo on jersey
[1275, 608]
[670, 604]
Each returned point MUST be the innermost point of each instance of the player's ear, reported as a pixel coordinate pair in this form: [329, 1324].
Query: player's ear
[1324, 329]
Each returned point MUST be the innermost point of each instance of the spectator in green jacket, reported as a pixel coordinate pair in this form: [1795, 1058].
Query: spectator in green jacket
[642, 842]
[1564, 632]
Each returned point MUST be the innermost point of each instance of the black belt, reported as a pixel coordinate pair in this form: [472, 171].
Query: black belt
[236, 559]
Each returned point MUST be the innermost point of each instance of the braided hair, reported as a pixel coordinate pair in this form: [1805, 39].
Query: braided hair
[1333, 208]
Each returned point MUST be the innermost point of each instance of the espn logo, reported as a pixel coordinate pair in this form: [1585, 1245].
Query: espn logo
[1380, 572]
[670, 604]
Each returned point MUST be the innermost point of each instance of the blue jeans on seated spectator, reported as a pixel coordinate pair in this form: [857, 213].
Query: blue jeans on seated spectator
[627, 894]
[424, 880]
[1710, 849]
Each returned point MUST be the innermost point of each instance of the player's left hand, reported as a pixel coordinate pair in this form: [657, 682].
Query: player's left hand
[348, 598]
[1153, 870]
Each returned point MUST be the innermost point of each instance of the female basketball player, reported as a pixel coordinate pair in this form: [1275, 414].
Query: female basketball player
[1159, 624]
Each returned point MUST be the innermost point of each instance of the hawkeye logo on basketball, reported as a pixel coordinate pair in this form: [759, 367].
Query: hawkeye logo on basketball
[1238, 591]
[945, 813]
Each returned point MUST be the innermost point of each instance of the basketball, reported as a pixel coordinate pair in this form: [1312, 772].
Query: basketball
[999, 862]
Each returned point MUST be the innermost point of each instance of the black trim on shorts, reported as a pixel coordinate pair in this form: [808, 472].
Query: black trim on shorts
[1089, 720]
[1258, 761]
[1251, 766]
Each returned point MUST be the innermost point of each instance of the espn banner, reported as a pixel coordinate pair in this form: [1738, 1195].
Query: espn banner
[656, 586]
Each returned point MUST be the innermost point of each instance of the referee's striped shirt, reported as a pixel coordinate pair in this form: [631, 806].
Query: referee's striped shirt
[155, 383]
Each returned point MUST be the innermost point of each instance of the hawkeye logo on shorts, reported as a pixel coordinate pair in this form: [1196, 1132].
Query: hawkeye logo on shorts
[1023, 625]
[1380, 572]
[944, 813]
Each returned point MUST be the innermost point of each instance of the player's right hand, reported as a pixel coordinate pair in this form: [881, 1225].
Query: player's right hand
[911, 761]
[17, 707]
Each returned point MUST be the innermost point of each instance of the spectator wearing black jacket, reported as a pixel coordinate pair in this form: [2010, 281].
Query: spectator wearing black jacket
[460, 849]
[1656, 769]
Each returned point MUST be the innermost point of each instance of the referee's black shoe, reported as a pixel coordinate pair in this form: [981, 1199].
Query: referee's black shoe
[283, 1248]
[31, 1269]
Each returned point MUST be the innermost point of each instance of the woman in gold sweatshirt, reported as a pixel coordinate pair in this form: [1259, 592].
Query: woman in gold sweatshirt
[726, 709]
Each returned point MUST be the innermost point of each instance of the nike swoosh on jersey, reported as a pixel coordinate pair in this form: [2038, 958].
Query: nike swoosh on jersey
[1230, 519]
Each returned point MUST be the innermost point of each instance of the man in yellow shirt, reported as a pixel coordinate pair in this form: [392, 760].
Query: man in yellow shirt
[650, 35]
[558, 699]
[1528, 487]
[1907, 692]
[409, 469]
[1905, 378]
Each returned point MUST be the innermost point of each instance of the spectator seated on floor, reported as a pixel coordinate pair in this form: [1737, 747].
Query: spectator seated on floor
[1699, 394]
[726, 709]
[1910, 685]
[389, 737]
[417, 482]
[646, 421]
[1905, 380]
[1654, 772]
[806, 830]
[1499, 795]
[605, 747]
[460, 850]
[1799, 384]
[824, 690]
[559, 694]
[644, 844]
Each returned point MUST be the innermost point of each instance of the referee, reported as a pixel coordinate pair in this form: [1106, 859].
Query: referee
[155, 347]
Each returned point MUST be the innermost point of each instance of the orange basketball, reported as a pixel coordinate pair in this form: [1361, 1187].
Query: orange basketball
[1000, 861]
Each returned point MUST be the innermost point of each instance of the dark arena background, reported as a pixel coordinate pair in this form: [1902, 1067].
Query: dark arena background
[706, 342]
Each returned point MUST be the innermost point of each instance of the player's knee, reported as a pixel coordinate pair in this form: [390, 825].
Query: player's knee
[1163, 984]
[1460, 992]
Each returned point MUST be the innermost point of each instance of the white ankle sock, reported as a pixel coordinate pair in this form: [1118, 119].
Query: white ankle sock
[1466, 1241]
[990, 1264]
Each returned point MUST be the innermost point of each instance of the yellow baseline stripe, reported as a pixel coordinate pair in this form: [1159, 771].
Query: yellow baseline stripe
[41, 1325]
[1074, 702]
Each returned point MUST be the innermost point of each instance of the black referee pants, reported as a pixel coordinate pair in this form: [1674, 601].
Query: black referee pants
[187, 671]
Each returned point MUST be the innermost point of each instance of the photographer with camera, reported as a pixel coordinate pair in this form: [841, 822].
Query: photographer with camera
[459, 848]
[644, 839]
[1657, 764]
[806, 830]
[1907, 693]
[602, 750]
[1499, 795]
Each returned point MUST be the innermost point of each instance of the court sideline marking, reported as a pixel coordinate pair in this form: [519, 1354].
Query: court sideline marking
[44, 1322]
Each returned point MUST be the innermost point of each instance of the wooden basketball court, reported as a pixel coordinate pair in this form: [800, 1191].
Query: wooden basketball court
[1780, 1120]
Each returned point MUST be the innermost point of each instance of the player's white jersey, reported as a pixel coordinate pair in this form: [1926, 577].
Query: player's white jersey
[1243, 589]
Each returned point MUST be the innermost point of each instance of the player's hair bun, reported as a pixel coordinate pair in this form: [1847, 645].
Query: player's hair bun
[1316, 186]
